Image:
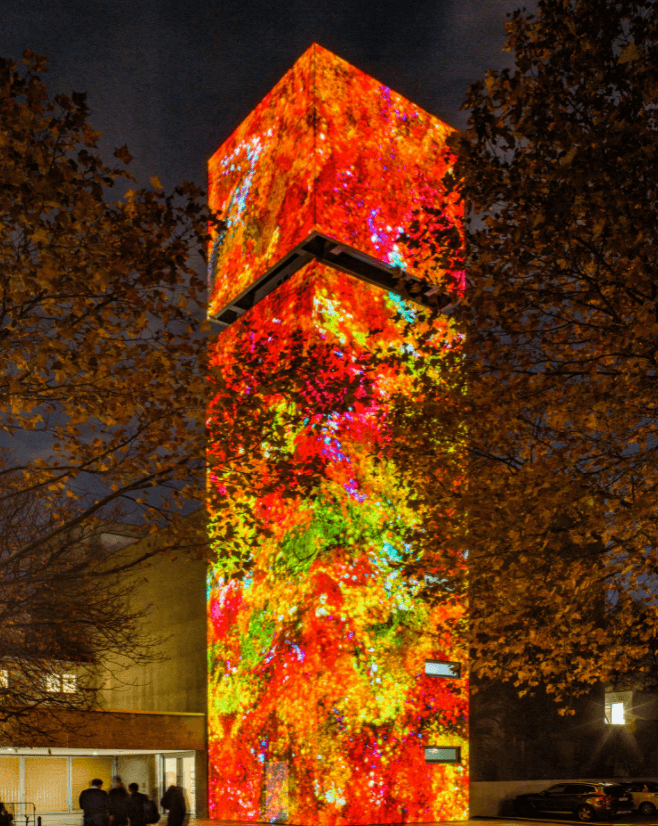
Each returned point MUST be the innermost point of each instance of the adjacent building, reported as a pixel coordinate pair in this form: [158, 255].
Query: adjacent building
[150, 727]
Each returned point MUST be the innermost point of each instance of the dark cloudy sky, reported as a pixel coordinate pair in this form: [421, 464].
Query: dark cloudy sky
[173, 79]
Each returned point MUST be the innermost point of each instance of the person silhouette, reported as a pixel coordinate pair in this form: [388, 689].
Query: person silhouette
[174, 801]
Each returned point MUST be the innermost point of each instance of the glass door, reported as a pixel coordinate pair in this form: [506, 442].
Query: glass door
[179, 770]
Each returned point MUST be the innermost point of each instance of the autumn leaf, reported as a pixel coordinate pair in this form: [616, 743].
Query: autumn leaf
[630, 53]
[123, 154]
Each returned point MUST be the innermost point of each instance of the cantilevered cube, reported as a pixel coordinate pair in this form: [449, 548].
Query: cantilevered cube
[333, 165]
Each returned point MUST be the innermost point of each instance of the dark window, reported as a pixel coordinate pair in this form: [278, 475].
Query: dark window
[615, 791]
[443, 754]
[557, 789]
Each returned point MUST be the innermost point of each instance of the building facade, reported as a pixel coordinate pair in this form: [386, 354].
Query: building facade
[150, 726]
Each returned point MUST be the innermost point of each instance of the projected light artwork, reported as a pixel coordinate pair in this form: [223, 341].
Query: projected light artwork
[332, 150]
[336, 694]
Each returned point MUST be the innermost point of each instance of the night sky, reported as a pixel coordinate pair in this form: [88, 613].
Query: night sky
[173, 80]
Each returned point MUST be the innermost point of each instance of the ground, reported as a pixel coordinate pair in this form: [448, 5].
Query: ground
[627, 820]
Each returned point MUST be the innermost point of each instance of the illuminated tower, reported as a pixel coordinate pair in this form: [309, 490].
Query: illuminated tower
[335, 696]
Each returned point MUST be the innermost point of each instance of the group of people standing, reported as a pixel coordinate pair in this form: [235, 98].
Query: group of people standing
[122, 806]
[5, 816]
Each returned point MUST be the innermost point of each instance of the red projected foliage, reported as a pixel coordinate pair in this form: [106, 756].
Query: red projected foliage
[320, 710]
[329, 149]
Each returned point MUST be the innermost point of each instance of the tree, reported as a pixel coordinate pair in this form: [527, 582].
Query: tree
[558, 166]
[62, 617]
[101, 367]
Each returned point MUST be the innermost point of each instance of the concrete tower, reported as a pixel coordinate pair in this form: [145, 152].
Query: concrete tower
[336, 694]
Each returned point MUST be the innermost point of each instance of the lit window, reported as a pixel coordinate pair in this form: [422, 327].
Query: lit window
[438, 668]
[617, 714]
[53, 683]
[61, 683]
[69, 683]
[4, 678]
[617, 707]
[443, 754]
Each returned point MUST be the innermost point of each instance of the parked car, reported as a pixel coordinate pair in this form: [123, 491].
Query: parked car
[587, 801]
[644, 795]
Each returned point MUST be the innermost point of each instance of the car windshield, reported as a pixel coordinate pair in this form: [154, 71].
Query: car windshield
[614, 791]
[651, 787]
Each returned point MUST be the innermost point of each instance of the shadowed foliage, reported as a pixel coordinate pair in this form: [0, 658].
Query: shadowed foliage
[101, 379]
[558, 168]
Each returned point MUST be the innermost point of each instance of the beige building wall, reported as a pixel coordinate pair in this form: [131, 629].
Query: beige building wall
[173, 595]
[172, 687]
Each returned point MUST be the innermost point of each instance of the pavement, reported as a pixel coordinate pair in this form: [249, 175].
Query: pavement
[625, 820]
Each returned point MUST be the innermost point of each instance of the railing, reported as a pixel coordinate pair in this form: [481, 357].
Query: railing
[25, 813]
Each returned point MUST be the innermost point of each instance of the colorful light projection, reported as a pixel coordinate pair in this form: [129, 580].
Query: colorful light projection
[320, 707]
[329, 149]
